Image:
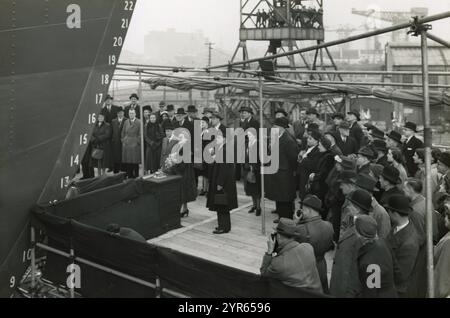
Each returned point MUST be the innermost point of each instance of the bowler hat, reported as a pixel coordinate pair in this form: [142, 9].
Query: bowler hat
[376, 133]
[347, 176]
[216, 114]
[286, 227]
[394, 135]
[180, 111]
[170, 108]
[337, 115]
[346, 163]
[312, 127]
[353, 112]
[326, 143]
[108, 97]
[204, 118]
[379, 145]
[312, 202]
[366, 152]
[366, 182]
[316, 135]
[147, 107]
[207, 110]
[191, 109]
[361, 198]
[376, 169]
[281, 111]
[410, 125]
[366, 226]
[120, 109]
[391, 174]
[281, 122]
[312, 110]
[246, 109]
[134, 95]
[167, 125]
[162, 103]
[399, 203]
[344, 125]
[445, 158]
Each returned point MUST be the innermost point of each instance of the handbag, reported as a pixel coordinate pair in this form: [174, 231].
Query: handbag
[97, 154]
[220, 199]
[251, 177]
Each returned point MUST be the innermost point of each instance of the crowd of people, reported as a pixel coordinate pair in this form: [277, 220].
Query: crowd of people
[360, 191]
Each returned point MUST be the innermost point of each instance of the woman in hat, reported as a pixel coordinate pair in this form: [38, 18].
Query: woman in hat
[318, 185]
[395, 158]
[222, 194]
[164, 116]
[153, 140]
[101, 143]
[251, 173]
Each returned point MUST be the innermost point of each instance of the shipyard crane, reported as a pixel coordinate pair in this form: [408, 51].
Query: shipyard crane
[394, 17]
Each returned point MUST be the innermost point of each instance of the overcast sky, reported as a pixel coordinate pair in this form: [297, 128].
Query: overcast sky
[219, 19]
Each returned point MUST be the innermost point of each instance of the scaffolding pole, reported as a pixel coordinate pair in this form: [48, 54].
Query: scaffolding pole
[428, 144]
[142, 170]
[261, 156]
[437, 39]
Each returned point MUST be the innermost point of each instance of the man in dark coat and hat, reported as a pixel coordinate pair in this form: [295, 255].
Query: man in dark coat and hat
[355, 130]
[374, 257]
[312, 229]
[345, 142]
[280, 186]
[389, 181]
[162, 108]
[345, 270]
[364, 157]
[116, 140]
[109, 110]
[133, 105]
[247, 120]
[394, 139]
[170, 109]
[222, 194]
[294, 263]
[409, 147]
[308, 161]
[405, 243]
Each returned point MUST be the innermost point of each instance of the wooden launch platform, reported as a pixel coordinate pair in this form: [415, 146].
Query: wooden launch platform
[242, 248]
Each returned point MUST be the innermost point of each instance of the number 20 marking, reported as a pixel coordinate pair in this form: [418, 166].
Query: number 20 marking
[118, 41]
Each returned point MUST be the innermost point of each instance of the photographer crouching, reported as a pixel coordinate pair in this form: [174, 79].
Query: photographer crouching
[288, 261]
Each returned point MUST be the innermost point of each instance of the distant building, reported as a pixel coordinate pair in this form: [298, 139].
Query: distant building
[164, 46]
[407, 57]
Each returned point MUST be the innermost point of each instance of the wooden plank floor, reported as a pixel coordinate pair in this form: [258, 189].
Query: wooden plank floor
[243, 247]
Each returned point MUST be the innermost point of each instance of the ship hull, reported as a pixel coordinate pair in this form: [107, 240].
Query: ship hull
[56, 62]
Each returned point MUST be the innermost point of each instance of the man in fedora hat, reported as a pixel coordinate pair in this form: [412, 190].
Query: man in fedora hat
[368, 183]
[410, 146]
[288, 261]
[337, 118]
[381, 152]
[247, 120]
[405, 243]
[313, 118]
[344, 269]
[363, 160]
[116, 140]
[389, 183]
[170, 109]
[345, 142]
[373, 251]
[312, 229]
[109, 110]
[281, 186]
[355, 130]
[394, 139]
[133, 105]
